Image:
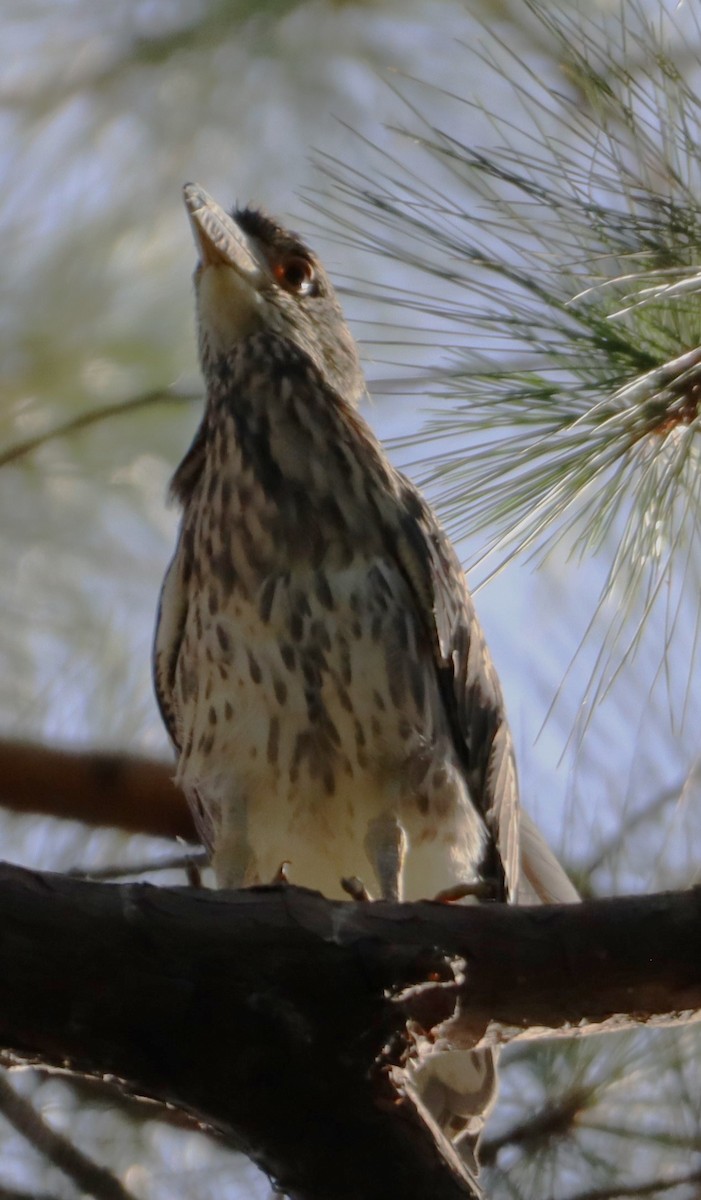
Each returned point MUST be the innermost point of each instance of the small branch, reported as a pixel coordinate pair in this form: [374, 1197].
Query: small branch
[649, 811]
[92, 1089]
[93, 416]
[99, 788]
[88, 1176]
[553, 1120]
[146, 866]
[13, 1194]
[650, 1188]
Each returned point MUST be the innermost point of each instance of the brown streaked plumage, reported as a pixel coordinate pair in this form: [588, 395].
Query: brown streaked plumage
[318, 661]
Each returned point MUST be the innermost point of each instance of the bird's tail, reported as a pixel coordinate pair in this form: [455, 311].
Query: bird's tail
[455, 1088]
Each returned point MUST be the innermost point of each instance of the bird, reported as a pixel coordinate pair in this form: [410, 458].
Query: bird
[318, 661]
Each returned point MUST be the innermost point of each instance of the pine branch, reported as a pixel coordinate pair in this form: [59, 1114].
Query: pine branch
[562, 264]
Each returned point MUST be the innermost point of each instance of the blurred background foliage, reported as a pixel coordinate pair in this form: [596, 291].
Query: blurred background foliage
[437, 154]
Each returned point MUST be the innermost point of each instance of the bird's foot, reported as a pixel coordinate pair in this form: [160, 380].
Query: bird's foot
[355, 888]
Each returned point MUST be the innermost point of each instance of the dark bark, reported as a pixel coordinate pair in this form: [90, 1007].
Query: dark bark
[273, 1014]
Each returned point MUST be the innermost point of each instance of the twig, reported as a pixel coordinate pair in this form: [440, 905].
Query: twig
[647, 812]
[147, 866]
[93, 417]
[87, 1175]
[13, 1194]
[638, 1189]
[553, 1120]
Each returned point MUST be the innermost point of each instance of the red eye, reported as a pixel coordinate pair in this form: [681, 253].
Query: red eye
[295, 274]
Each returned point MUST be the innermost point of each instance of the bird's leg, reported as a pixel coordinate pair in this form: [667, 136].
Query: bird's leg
[385, 846]
[233, 858]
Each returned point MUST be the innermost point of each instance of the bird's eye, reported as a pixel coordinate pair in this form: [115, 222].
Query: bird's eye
[296, 275]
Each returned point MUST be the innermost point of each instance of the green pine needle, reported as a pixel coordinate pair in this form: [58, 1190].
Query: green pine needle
[569, 257]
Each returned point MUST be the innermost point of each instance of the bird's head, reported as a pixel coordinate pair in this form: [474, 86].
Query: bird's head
[255, 276]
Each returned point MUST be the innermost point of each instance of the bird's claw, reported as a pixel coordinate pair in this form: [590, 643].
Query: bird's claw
[355, 888]
[280, 875]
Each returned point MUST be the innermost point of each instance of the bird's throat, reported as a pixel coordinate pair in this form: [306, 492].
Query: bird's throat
[229, 309]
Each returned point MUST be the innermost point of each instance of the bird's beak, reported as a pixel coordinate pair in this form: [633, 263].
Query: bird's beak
[218, 238]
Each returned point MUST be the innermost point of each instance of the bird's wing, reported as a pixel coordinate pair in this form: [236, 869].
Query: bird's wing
[172, 605]
[170, 625]
[468, 680]
[543, 879]
[170, 628]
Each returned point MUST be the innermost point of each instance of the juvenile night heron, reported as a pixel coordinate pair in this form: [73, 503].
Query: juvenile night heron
[318, 661]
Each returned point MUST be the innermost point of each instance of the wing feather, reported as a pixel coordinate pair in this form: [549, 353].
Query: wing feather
[173, 601]
[469, 683]
[170, 627]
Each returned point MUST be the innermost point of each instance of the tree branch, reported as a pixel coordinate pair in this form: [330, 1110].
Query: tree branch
[89, 1177]
[14, 1194]
[650, 1187]
[99, 788]
[280, 1018]
[93, 416]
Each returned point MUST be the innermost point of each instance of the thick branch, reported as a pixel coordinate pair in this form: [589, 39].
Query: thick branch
[272, 1013]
